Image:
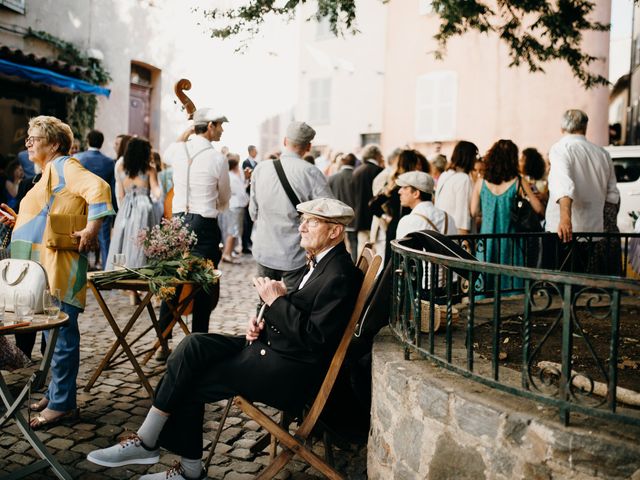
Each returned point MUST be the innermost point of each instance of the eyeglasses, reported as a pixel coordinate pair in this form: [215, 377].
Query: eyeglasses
[31, 139]
[312, 222]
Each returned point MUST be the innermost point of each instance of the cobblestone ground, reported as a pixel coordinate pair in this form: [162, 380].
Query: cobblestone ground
[118, 402]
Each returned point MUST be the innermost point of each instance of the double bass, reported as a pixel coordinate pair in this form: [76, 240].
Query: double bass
[179, 88]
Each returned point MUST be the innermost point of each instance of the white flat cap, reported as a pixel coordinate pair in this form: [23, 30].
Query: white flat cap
[300, 133]
[328, 208]
[419, 180]
[202, 116]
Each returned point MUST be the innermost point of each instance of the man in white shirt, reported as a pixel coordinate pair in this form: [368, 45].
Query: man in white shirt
[416, 192]
[201, 191]
[581, 180]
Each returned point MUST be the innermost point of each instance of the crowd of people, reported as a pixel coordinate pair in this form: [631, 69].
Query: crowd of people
[303, 218]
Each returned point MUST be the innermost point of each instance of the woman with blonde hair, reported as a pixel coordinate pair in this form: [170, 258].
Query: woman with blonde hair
[65, 187]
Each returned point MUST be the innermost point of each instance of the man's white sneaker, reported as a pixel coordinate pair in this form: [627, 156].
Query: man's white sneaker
[129, 451]
[174, 473]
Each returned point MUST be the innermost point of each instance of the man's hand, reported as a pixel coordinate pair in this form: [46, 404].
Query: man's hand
[253, 329]
[88, 236]
[269, 290]
[565, 231]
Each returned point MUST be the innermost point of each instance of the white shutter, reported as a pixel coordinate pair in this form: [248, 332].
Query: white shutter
[320, 100]
[436, 95]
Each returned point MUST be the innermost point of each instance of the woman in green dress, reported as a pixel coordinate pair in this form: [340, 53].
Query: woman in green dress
[492, 198]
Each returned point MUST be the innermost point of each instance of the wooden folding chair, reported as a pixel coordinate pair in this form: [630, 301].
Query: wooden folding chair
[296, 444]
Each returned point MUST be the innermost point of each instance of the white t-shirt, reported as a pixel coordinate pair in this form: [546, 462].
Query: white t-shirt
[453, 195]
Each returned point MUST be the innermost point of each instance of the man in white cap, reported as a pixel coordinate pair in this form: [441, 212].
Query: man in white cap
[282, 365]
[200, 192]
[416, 193]
[274, 196]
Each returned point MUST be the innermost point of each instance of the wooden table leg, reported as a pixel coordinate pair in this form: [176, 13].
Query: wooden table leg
[176, 312]
[120, 340]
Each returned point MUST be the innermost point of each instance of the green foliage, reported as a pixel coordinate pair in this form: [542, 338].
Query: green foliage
[81, 107]
[535, 31]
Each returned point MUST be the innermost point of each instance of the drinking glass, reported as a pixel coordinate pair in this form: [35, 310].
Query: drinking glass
[24, 304]
[119, 260]
[51, 303]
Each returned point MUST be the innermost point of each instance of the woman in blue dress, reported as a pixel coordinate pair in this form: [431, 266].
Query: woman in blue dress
[138, 179]
[492, 198]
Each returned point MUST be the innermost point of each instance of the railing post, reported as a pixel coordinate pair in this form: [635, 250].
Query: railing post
[613, 350]
[567, 347]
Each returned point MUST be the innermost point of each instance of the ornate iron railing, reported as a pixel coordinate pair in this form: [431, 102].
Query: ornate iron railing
[560, 323]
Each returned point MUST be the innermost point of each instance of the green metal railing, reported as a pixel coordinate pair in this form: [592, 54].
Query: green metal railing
[550, 308]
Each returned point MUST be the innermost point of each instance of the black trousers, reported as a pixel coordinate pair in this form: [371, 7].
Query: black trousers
[207, 246]
[210, 367]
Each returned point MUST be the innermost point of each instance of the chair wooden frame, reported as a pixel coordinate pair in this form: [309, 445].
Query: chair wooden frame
[296, 443]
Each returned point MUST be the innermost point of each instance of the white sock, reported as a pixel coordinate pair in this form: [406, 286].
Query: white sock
[150, 429]
[192, 468]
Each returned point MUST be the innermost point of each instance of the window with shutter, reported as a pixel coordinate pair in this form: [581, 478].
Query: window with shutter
[320, 101]
[436, 95]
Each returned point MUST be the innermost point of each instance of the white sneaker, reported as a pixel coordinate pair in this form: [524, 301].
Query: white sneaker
[176, 472]
[129, 451]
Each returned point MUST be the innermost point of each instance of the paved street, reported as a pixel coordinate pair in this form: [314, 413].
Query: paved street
[118, 402]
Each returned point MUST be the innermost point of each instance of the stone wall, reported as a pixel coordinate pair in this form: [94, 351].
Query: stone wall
[429, 423]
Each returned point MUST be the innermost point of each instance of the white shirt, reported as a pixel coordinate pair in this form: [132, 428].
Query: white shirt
[417, 220]
[209, 189]
[453, 195]
[583, 172]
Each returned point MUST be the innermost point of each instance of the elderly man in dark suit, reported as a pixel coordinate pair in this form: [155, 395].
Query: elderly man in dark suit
[101, 165]
[281, 360]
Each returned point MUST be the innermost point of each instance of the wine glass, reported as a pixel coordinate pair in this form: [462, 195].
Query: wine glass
[24, 303]
[119, 260]
[51, 303]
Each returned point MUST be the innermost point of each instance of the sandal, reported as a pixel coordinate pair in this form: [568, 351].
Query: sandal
[40, 421]
[39, 405]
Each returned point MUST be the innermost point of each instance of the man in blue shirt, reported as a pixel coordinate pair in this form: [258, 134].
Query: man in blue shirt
[102, 166]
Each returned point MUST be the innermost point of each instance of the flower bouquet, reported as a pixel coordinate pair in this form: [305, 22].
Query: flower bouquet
[167, 247]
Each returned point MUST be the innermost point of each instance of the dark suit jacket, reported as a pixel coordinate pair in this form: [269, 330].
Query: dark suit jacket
[306, 325]
[341, 185]
[362, 182]
[102, 166]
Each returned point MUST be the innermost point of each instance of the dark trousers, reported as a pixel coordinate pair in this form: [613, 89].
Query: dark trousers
[183, 391]
[352, 236]
[247, 228]
[208, 368]
[207, 246]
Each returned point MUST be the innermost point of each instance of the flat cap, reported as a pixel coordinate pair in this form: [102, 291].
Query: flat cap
[328, 208]
[419, 180]
[300, 133]
[202, 116]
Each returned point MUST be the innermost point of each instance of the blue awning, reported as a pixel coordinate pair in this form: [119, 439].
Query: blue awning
[48, 77]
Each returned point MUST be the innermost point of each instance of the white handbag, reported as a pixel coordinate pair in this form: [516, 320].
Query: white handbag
[22, 275]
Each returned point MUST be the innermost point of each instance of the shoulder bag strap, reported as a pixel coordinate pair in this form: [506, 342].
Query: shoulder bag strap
[293, 198]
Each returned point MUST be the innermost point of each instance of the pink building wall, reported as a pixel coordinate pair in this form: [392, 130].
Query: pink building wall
[493, 101]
